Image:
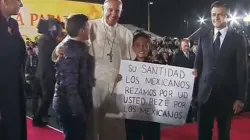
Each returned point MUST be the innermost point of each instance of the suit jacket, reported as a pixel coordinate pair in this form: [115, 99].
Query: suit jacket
[226, 76]
[12, 100]
[31, 67]
[46, 68]
[181, 60]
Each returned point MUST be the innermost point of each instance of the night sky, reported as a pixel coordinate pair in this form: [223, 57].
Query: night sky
[167, 16]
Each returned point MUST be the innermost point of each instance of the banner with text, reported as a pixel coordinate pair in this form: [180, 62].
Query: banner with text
[33, 10]
[157, 93]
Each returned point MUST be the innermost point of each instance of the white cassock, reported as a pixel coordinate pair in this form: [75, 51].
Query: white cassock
[106, 40]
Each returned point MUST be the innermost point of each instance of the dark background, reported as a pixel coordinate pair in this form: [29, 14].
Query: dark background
[167, 16]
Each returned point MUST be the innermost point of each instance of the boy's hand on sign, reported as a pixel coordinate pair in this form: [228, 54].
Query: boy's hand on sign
[118, 78]
[238, 106]
[195, 73]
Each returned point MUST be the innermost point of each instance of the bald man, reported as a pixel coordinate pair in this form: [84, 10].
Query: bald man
[110, 43]
[12, 60]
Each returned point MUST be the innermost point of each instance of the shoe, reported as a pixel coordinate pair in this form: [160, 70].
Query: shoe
[46, 118]
[38, 123]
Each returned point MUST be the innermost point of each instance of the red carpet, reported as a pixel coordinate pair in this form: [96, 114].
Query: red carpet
[46, 133]
[240, 130]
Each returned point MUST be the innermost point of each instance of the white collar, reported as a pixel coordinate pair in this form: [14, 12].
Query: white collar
[223, 31]
[105, 23]
[186, 53]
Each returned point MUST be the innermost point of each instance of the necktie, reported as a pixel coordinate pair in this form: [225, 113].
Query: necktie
[216, 45]
[186, 54]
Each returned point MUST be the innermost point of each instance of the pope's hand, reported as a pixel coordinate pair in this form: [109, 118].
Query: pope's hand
[60, 51]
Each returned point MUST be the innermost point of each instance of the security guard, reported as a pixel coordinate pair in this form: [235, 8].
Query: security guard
[32, 79]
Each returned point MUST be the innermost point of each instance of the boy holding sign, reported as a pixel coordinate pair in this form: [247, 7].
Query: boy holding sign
[135, 129]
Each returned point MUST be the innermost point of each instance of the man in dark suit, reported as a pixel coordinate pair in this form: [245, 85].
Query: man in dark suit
[32, 78]
[185, 58]
[12, 60]
[221, 66]
[45, 69]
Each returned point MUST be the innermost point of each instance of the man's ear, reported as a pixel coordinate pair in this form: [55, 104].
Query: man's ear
[81, 31]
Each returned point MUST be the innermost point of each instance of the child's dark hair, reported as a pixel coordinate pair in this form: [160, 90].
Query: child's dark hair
[140, 33]
[75, 23]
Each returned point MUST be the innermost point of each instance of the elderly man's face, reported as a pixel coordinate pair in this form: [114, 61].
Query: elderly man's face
[165, 55]
[185, 46]
[112, 12]
[11, 7]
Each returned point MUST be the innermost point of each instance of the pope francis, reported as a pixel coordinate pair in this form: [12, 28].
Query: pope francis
[110, 43]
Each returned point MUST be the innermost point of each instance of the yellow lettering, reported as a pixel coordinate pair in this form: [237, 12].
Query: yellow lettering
[33, 19]
[19, 19]
[41, 17]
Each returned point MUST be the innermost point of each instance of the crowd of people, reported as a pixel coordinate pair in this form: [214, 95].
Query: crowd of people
[162, 49]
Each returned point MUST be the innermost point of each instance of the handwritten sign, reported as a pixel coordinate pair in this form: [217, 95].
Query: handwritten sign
[157, 93]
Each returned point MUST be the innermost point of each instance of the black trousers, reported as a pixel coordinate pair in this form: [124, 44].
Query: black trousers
[136, 130]
[48, 86]
[36, 93]
[218, 107]
[74, 127]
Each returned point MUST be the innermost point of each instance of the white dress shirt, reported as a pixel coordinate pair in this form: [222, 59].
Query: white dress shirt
[223, 34]
[186, 54]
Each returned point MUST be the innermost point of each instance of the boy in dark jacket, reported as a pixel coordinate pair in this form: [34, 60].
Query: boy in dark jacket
[73, 78]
